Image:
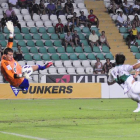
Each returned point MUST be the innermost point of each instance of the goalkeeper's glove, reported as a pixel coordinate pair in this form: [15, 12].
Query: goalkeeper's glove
[26, 75]
[10, 27]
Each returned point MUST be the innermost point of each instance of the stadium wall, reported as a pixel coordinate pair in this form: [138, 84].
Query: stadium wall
[63, 90]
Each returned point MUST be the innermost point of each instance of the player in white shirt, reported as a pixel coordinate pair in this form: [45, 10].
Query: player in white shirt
[121, 74]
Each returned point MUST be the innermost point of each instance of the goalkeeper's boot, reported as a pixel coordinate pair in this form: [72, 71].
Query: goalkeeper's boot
[48, 64]
[137, 110]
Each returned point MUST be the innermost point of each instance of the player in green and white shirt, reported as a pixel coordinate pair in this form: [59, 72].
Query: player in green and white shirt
[121, 74]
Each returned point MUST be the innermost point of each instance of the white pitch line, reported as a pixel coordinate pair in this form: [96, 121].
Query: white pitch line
[24, 136]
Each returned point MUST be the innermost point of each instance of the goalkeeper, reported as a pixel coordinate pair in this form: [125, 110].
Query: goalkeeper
[10, 68]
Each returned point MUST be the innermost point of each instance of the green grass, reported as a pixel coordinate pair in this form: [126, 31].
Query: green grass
[70, 119]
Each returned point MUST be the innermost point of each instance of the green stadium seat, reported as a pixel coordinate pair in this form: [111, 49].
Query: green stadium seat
[85, 42]
[48, 43]
[45, 37]
[137, 56]
[27, 57]
[77, 29]
[78, 50]
[81, 36]
[54, 37]
[73, 57]
[87, 36]
[14, 43]
[18, 37]
[7, 37]
[60, 50]
[105, 49]
[55, 57]
[62, 36]
[36, 37]
[14, 49]
[110, 56]
[82, 57]
[85, 30]
[3, 43]
[69, 50]
[27, 37]
[24, 30]
[33, 50]
[91, 56]
[57, 43]
[42, 50]
[95, 29]
[33, 30]
[51, 30]
[125, 35]
[42, 30]
[138, 28]
[96, 49]
[25, 50]
[100, 56]
[22, 43]
[37, 57]
[30, 43]
[16, 30]
[46, 57]
[134, 49]
[51, 50]
[2, 37]
[87, 50]
[138, 41]
[39, 43]
[6, 31]
[64, 57]
[123, 30]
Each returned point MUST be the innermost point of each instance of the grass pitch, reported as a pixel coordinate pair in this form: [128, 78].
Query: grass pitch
[69, 119]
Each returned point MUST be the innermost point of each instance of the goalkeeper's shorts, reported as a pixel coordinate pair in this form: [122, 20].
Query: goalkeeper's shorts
[24, 85]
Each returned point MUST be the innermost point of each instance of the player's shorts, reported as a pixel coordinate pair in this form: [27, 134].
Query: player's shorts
[24, 85]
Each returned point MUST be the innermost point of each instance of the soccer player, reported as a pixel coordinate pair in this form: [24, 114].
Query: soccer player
[121, 74]
[10, 68]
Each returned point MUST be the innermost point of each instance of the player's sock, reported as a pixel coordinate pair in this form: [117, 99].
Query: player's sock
[41, 67]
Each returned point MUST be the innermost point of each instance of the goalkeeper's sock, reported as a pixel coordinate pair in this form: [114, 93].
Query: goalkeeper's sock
[41, 67]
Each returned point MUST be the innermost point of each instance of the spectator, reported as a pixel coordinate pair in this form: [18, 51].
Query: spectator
[69, 7]
[136, 21]
[29, 3]
[22, 3]
[120, 21]
[51, 8]
[59, 27]
[103, 39]
[93, 39]
[136, 8]
[3, 21]
[34, 8]
[98, 68]
[1, 51]
[128, 23]
[83, 19]
[92, 19]
[13, 3]
[59, 9]
[42, 8]
[69, 26]
[15, 21]
[68, 40]
[9, 11]
[131, 39]
[118, 3]
[127, 8]
[134, 31]
[75, 19]
[107, 66]
[18, 55]
[76, 39]
[112, 7]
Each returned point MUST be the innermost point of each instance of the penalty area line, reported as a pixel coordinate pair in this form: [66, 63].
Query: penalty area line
[23, 136]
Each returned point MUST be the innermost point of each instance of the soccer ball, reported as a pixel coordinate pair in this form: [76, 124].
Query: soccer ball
[27, 69]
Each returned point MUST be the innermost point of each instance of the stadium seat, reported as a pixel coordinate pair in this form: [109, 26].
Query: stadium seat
[96, 49]
[33, 30]
[48, 24]
[95, 29]
[16, 30]
[89, 70]
[4, 5]
[85, 30]
[85, 12]
[123, 30]
[22, 63]
[137, 56]
[27, 57]
[57, 43]
[42, 50]
[48, 43]
[69, 50]
[76, 63]
[43, 72]
[24, 12]
[6, 31]
[54, 37]
[22, 43]
[30, 43]
[36, 18]
[61, 36]
[62, 17]
[46, 57]
[71, 71]
[100, 56]
[67, 64]
[51, 50]
[39, 24]
[73, 57]
[45, 36]
[40, 62]
[30, 24]
[81, 36]
[36, 37]
[78, 50]
[85, 43]
[3, 43]
[81, 5]
[58, 64]
[62, 71]
[138, 28]
[105, 49]
[18, 37]
[33, 50]
[20, 18]
[31, 63]
[82, 57]
[37, 57]
[2, 37]
[27, 18]
[86, 63]
[138, 41]
[134, 49]
[55, 57]
[42, 30]
[24, 30]
[125, 35]
[14, 49]
[27, 37]
[87, 50]
[52, 71]
[39, 43]
[77, 29]
[14, 43]
[60, 50]
[51, 30]
[110, 56]
[45, 17]
[53, 17]
[80, 71]
[23, 23]
[64, 57]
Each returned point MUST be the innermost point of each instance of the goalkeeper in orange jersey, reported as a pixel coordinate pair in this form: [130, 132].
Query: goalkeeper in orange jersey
[11, 69]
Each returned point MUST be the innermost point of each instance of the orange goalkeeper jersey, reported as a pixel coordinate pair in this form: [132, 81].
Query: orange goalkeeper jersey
[9, 68]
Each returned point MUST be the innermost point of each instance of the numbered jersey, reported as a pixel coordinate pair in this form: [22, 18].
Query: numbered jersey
[9, 68]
